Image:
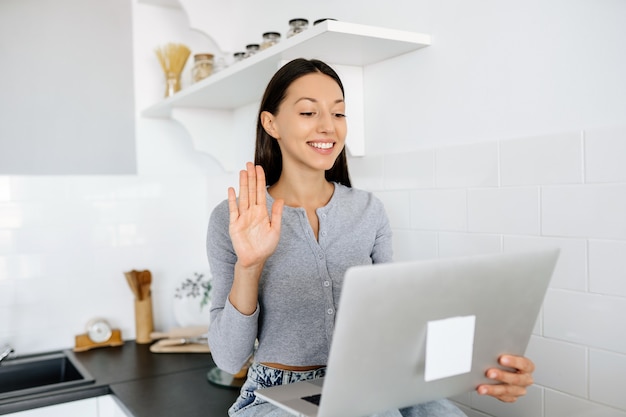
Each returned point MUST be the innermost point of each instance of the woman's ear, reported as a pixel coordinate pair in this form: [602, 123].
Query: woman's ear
[268, 123]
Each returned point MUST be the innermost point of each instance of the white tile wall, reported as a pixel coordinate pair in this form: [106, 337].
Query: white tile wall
[439, 209]
[560, 365]
[551, 159]
[558, 404]
[594, 211]
[586, 319]
[474, 165]
[513, 210]
[414, 244]
[367, 173]
[396, 205]
[604, 154]
[409, 170]
[606, 378]
[565, 190]
[607, 267]
[467, 244]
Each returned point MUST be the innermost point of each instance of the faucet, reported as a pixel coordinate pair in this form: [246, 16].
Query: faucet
[5, 351]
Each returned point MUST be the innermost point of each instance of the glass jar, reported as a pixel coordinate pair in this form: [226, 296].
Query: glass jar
[297, 26]
[202, 67]
[238, 56]
[269, 39]
[252, 49]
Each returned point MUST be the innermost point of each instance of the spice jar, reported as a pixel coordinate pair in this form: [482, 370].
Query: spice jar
[269, 39]
[202, 67]
[238, 56]
[252, 49]
[297, 26]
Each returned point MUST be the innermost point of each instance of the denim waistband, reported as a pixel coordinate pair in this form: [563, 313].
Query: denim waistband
[267, 376]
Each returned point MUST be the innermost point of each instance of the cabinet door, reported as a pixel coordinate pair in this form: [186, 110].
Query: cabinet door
[108, 406]
[83, 408]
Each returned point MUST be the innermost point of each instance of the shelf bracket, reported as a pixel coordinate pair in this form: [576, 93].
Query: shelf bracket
[211, 131]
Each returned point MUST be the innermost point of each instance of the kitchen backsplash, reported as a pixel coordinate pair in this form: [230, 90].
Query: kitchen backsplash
[65, 243]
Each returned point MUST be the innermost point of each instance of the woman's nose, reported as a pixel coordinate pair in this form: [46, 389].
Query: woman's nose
[326, 122]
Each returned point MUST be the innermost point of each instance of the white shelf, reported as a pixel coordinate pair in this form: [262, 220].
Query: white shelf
[334, 42]
[205, 109]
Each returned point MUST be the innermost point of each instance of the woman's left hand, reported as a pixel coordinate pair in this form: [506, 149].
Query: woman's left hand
[512, 384]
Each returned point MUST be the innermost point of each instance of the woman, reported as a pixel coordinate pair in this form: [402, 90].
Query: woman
[278, 253]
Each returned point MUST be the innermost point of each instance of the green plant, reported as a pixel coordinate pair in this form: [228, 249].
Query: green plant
[195, 287]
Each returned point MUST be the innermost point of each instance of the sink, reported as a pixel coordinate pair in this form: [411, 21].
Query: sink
[41, 373]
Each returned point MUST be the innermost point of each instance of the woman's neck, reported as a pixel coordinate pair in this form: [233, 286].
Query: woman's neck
[300, 192]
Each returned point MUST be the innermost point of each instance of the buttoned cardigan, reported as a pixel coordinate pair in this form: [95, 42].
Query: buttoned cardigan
[300, 285]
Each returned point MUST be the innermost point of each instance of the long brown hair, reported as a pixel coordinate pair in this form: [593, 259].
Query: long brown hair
[267, 152]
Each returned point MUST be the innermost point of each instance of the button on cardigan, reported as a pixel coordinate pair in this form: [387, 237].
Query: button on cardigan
[300, 284]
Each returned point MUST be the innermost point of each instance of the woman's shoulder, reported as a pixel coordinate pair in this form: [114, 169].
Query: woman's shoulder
[356, 196]
[220, 213]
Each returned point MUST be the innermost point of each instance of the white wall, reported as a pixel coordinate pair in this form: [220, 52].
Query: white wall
[506, 133]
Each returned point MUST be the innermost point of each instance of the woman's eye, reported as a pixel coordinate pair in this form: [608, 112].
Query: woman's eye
[307, 113]
[339, 115]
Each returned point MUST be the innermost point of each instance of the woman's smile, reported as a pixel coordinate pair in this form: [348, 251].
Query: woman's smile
[325, 147]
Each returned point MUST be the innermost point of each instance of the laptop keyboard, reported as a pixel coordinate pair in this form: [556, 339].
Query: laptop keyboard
[315, 399]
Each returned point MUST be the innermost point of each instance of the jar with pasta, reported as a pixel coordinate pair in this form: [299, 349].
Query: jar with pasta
[202, 66]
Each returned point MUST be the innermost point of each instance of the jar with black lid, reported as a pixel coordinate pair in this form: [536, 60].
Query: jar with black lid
[296, 26]
[269, 39]
[252, 49]
[238, 56]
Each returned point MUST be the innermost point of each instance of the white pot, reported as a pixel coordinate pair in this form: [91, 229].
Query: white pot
[189, 312]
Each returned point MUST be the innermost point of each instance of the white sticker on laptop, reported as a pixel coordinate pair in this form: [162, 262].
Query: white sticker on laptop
[449, 347]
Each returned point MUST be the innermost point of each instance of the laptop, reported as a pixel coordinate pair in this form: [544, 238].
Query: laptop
[411, 332]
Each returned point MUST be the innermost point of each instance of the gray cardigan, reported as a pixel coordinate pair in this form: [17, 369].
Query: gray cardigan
[301, 283]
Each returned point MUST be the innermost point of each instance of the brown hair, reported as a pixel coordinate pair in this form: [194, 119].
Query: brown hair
[267, 152]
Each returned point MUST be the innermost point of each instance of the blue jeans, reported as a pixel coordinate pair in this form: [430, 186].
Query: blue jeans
[261, 376]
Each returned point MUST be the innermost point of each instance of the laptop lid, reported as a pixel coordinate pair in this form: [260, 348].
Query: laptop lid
[411, 332]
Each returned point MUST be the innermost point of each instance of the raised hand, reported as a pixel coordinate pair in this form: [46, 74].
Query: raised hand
[254, 233]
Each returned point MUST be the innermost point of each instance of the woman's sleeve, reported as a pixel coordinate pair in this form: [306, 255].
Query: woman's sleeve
[382, 250]
[231, 334]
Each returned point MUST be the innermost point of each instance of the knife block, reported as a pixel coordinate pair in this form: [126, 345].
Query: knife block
[143, 320]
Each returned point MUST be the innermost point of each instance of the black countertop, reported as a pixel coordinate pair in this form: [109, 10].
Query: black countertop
[147, 384]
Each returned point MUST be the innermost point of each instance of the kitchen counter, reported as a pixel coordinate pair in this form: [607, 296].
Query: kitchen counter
[147, 384]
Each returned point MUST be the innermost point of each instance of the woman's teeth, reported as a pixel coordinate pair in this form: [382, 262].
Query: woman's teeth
[322, 145]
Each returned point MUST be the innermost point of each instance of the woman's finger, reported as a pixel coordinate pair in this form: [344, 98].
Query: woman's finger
[260, 186]
[243, 191]
[503, 392]
[233, 210]
[521, 379]
[520, 363]
[252, 184]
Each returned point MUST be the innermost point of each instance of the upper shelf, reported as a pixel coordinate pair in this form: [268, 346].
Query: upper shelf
[334, 42]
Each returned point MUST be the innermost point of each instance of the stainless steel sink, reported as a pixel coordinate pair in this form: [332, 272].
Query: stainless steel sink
[41, 373]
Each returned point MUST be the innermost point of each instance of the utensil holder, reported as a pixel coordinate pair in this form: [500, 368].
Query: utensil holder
[143, 320]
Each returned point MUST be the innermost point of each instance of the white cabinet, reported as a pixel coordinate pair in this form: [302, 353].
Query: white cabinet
[205, 108]
[104, 406]
[108, 406]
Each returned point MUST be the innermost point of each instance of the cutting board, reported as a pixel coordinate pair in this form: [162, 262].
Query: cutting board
[162, 347]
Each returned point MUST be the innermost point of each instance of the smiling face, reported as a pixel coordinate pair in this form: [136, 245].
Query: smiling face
[310, 125]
